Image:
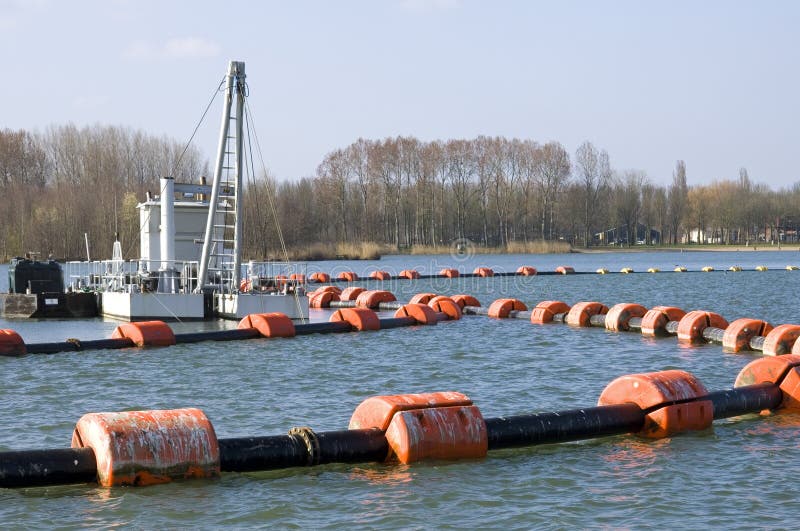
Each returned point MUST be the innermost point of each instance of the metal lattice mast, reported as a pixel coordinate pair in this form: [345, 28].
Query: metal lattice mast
[237, 238]
[223, 226]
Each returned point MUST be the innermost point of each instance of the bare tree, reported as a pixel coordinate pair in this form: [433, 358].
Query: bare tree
[628, 202]
[593, 173]
[552, 169]
[677, 198]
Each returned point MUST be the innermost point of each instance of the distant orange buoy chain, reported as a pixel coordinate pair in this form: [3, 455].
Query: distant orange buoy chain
[482, 272]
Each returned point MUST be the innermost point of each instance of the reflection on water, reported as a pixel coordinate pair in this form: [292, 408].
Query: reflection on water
[392, 475]
[634, 458]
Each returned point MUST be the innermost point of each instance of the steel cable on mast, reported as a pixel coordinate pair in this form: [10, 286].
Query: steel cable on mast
[185, 149]
[199, 123]
[251, 128]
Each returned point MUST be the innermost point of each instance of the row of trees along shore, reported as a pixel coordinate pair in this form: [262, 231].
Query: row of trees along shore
[394, 194]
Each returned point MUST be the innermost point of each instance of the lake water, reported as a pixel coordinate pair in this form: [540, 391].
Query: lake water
[725, 477]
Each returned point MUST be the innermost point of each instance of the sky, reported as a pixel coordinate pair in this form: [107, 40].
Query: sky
[714, 83]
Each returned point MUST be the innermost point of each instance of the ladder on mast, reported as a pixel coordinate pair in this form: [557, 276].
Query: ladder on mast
[221, 257]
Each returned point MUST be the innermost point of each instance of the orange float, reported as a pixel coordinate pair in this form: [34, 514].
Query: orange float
[781, 340]
[657, 393]
[373, 298]
[465, 300]
[442, 433]
[273, 324]
[149, 447]
[654, 322]
[447, 306]
[333, 289]
[425, 426]
[359, 318]
[409, 274]
[483, 272]
[349, 276]
[501, 308]
[298, 278]
[691, 326]
[377, 411]
[422, 313]
[449, 273]
[526, 271]
[11, 343]
[146, 333]
[581, 313]
[351, 293]
[565, 270]
[422, 298]
[783, 371]
[546, 310]
[321, 299]
[620, 315]
[739, 333]
[320, 277]
[380, 275]
[245, 285]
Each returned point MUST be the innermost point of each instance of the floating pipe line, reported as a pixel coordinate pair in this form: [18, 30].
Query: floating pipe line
[742, 334]
[304, 447]
[749, 334]
[214, 335]
[480, 272]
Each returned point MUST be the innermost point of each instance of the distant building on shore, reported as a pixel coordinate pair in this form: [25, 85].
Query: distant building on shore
[619, 236]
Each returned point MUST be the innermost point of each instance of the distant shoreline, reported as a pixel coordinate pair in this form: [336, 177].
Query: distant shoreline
[690, 249]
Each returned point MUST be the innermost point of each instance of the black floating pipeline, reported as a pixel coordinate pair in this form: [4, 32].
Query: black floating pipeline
[150, 447]
[351, 276]
[351, 316]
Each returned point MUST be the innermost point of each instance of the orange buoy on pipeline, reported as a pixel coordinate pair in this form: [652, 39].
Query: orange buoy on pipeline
[351, 293]
[697, 326]
[349, 276]
[409, 274]
[483, 272]
[322, 299]
[446, 306]
[500, 309]
[151, 447]
[320, 277]
[158, 333]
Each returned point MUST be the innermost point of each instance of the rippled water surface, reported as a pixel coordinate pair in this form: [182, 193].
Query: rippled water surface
[736, 475]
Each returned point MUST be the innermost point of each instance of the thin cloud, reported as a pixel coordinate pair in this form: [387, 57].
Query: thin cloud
[191, 47]
[178, 48]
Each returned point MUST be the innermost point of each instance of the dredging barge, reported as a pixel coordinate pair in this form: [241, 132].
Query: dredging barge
[191, 258]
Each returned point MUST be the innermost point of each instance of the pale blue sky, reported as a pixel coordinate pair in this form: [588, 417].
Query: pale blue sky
[714, 83]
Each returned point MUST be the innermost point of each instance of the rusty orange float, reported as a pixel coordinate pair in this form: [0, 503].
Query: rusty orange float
[671, 399]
